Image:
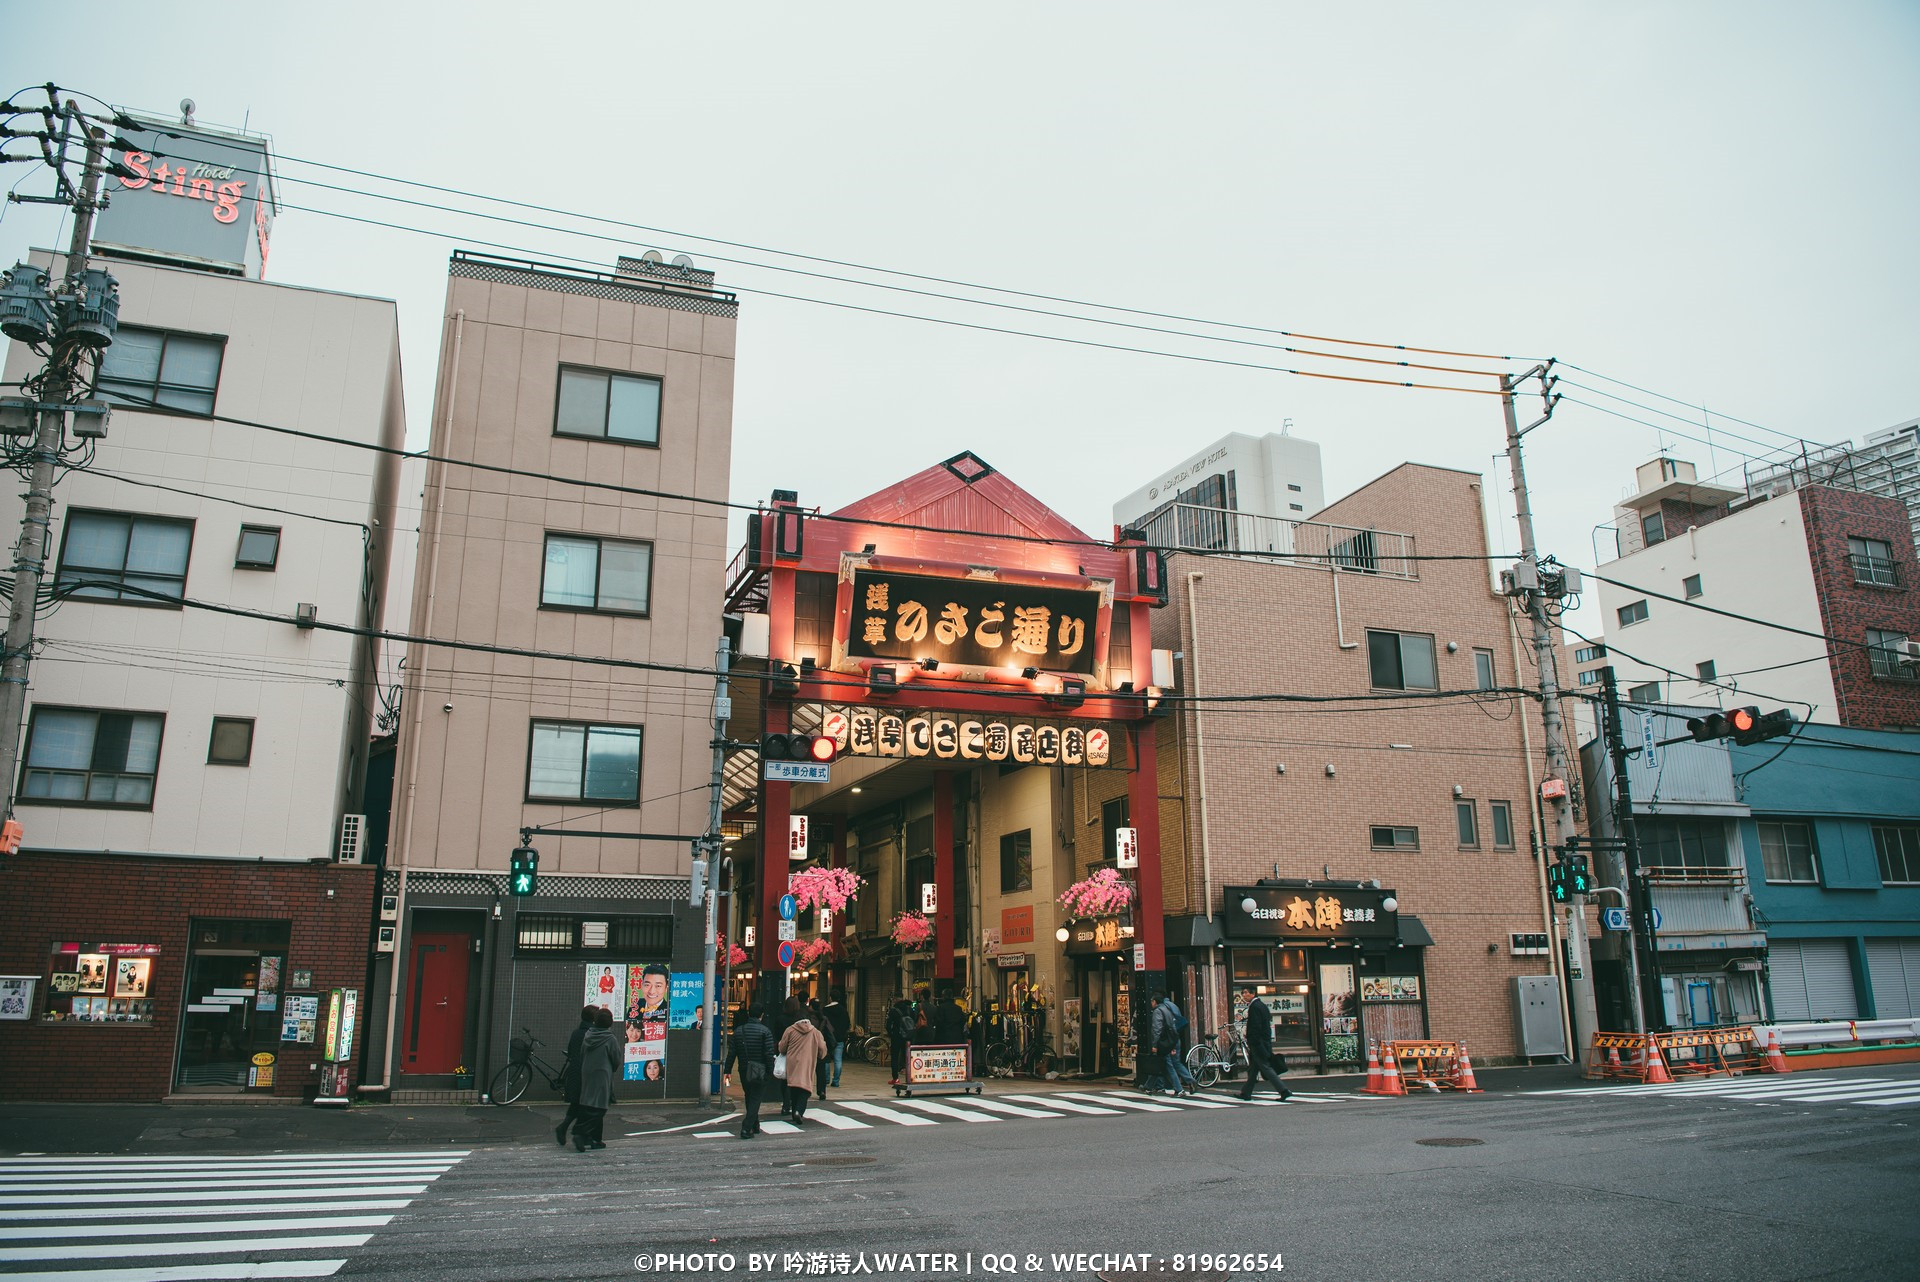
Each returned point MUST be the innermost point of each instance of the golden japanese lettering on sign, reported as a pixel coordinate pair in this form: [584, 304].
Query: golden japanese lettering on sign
[969, 622]
[1284, 911]
[874, 732]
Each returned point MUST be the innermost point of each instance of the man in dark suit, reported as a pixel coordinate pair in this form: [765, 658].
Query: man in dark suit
[1260, 1050]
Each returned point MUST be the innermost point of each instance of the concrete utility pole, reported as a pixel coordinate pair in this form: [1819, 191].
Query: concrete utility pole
[56, 389]
[1645, 988]
[1559, 751]
[706, 872]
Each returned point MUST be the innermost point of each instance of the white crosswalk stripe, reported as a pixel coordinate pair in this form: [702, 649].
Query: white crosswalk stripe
[78, 1217]
[1875, 1092]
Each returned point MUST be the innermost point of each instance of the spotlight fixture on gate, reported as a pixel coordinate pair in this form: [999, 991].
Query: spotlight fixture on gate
[882, 679]
[930, 665]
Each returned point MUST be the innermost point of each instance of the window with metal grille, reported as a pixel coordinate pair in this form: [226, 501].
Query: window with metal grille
[653, 935]
[1885, 652]
[545, 932]
[1786, 851]
[1872, 562]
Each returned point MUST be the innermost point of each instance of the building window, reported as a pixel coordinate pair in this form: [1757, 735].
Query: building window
[85, 757]
[1706, 670]
[1886, 652]
[1115, 814]
[1648, 692]
[1483, 675]
[1590, 653]
[609, 407]
[1786, 851]
[1385, 837]
[231, 743]
[154, 369]
[1293, 487]
[1690, 587]
[1296, 507]
[1361, 553]
[1898, 846]
[1632, 613]
[137, 560]
[544, 933]
[1016, 861]
[1467, 819]
[571, 761]
[259, 548]
[1402, 661]
[1502, 824]
[606, 575]
[1591, 677]
[1683, 843]
[1872, 562]
[1654, 526]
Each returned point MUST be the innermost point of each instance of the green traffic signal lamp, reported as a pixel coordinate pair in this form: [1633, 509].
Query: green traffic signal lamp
[523, 870]
[1557, 883]
[1578, 877]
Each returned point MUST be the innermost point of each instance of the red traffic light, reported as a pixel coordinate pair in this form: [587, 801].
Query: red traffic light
[799, 747]
[1743, 720]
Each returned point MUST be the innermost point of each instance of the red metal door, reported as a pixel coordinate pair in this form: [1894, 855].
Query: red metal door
[436, 1001]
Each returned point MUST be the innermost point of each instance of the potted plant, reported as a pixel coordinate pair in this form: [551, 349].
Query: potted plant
[462, 1078]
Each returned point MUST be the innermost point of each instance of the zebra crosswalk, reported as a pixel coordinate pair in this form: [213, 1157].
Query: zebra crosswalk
[858, 1115]
[185, 1218]
[1870, 1092]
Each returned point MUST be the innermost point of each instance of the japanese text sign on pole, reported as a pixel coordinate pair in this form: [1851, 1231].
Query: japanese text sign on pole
[1139, 956]
[826, 922]
[1126, 847]
[797, 845]
[789, 908]
[789, 930]
[929, 896]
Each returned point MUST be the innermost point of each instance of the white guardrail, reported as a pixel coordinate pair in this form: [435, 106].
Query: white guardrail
[1839, 1032]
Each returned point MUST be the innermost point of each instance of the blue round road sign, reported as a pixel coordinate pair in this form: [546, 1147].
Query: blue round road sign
[786, 952]
[789, 908]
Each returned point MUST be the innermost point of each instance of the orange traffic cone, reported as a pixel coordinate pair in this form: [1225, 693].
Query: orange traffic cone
[1463, 1073]
[1776, 1058]
[1390, 1083]
[1614, 1067]
[1376, 1081]
[1656, 1067]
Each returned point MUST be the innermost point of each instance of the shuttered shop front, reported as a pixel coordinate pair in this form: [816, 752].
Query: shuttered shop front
[1894, 965]
[1811, 979]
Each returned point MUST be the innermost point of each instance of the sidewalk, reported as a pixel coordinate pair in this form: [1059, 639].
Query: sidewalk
[241, 1126]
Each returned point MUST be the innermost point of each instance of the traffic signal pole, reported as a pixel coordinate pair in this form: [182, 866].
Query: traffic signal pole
[1644, 989]
[1559, 752]
[706, 873]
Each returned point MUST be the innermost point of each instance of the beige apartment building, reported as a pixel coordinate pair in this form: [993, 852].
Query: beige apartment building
[583, 423]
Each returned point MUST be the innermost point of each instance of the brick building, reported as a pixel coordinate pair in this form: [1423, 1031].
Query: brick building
[1821, 560]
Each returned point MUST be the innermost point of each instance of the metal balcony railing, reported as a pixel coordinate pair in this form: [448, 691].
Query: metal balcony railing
[1186, 527]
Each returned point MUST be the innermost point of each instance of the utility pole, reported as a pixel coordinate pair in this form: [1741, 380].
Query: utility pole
[90, 299]
[1644, 977]
[706, 867]
[1559, 752]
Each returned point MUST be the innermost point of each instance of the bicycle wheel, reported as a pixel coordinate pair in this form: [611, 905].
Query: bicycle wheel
[1207, 1071]
[511, 1082]
[879, 1050]
[999, 1062]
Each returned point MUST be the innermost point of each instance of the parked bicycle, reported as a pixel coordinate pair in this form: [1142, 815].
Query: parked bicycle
[875, 1049]
[523, 1059]
[1221, 1055]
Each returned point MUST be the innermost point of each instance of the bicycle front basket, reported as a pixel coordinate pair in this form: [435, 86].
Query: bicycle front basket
[521, 1050]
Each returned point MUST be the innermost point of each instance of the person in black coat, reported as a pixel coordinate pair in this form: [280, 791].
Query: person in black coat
[753, 1051]
[600, 1064]
[839, 1025]
[816, 1011]
[1260, 1050]
[570, 1075]
[949, 1022]
[900, 1021]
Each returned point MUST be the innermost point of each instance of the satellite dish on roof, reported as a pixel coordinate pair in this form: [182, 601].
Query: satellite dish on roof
[681, 260]
[653, 256]
[187, 108]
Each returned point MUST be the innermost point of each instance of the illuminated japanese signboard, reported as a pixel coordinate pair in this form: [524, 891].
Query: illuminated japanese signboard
[974, 622]
[878, 732]
[1310, 912]
[192, 195]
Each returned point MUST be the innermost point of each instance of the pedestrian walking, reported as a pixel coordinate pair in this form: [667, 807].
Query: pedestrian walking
[817, 1015]
[1260, 1057]
[570, 1075]
[948, 1021]
[600, 1057]
[899, 1035]
[1168, 1025]
[840, 1025]
[753, 1051]
[804, 1048]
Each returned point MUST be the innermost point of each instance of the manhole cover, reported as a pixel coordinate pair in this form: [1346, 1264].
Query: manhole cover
[846, 1160]
[1450, 1141]
[207, 1132]
[1162, 1269]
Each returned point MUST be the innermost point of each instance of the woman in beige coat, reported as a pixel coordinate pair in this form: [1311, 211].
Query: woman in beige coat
[804, 1048]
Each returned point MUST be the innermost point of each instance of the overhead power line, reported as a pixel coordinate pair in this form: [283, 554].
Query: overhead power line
[1731, 614]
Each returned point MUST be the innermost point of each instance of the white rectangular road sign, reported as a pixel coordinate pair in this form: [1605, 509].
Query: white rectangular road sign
[787, 929]
[796, 771]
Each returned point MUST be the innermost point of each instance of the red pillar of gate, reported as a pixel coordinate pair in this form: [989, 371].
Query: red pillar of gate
[1143, 807]
[943, 875]
[839, 935]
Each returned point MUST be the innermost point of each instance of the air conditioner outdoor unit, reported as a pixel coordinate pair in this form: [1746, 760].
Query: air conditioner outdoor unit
[352, 836]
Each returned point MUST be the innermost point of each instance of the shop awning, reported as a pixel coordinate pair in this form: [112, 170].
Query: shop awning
[1413, 932]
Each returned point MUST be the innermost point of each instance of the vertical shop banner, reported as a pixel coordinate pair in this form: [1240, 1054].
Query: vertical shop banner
[1339, 1015]
[1070, 1029]
[685, 1002]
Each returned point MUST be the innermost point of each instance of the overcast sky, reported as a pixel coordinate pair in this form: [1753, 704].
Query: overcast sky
[1716, 202]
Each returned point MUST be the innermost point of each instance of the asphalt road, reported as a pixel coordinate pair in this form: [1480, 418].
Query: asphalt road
[1807, 1177]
